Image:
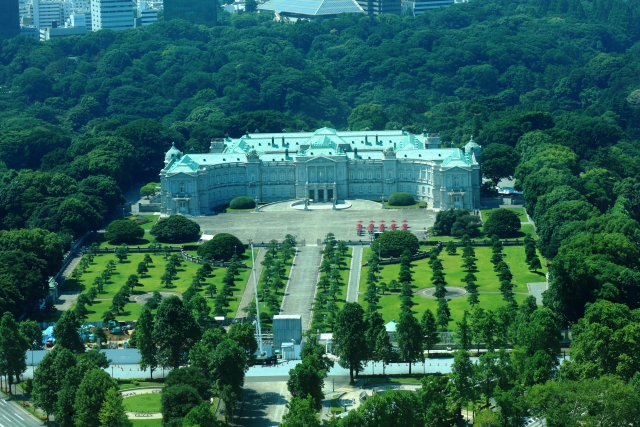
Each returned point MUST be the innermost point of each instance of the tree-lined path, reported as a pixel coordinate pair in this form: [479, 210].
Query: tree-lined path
[301, 288]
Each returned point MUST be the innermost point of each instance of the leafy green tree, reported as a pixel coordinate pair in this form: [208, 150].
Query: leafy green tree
[302, 413]
[142, 269]
[394, 243]
[122, 252]
[586, 402]
[176, 229]
[66, 334]
[245, 335]
[112, 412]
[212, 290]
[90, 397]
[190, 376]
[13, 346]
[349, 341]
[201, 416]
[222, 247]
[443, 314]
[463, 379]
[174, 332]
[410, 338]
[451, 248]
[145, 341]
[534, 264]
[499, 161]
[401, 199]
[177, 401]
[47, 378]
[149, 189]
[32, 333]
[429, 330]
[123, 231]
[306, 379]
[464, 335]
[502, 222]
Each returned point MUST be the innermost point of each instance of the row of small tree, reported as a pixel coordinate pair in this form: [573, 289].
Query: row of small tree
[329, 288]
[273, 279]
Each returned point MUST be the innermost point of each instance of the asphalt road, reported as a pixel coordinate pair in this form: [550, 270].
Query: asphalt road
[11, 415]
[301, 288]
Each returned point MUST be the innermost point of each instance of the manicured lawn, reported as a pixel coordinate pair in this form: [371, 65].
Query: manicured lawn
[520, 211]
[147, 225]
[488, 282]
[151, 282]
[524, 230]
[419, 204]
[149, 402]
[147, 423]
[344, 275]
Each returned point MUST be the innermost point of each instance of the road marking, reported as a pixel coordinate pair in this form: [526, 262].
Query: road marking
[19, 416]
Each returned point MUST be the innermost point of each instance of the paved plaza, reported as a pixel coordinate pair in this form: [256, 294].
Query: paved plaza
[277, 220]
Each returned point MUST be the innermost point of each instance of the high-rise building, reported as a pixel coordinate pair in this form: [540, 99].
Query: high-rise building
[111, 14]
[145, 15]
[195, 11]
[47, 14]
[9, 18]
[378, 7]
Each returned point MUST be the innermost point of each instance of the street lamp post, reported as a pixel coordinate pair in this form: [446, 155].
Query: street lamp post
[383, 201]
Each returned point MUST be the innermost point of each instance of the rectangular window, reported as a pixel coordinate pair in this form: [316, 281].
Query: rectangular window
[273, 191]
[379, 175]
[350, 175]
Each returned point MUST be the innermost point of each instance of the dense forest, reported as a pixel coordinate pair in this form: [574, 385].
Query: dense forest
[549, 86]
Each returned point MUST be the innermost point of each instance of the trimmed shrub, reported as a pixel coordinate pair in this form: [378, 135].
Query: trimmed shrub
[221, 247]
[242, 202]
[394, 243]
[176, 229]
[401, 199]
[123, 231]
[503, 222]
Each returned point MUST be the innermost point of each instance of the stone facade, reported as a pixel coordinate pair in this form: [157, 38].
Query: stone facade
[322, 166]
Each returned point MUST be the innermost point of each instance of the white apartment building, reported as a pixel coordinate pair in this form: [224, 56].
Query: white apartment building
[146, 15]
[112, 14]
[47, 14]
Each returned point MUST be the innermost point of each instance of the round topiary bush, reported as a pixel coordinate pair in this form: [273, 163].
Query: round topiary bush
[503, 222]
[242, 202]
[176, 229]
[394, 243]
[123, 231]
[221, 247]
[401, 199]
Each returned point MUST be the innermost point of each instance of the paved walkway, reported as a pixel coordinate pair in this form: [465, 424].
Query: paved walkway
[300, 291]
[248, 295]
[354, 274]
[536, 289]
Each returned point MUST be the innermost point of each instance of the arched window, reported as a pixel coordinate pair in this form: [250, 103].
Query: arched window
[182, 187]
[456, 181]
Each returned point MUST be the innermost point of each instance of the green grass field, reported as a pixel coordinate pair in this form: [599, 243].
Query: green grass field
[524, 230]
[147, 423]
[151, 282]
[147, 225]
[488, 282]
[149, 402]
[520, 211]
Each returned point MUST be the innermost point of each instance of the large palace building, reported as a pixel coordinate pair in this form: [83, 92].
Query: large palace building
[322, 166]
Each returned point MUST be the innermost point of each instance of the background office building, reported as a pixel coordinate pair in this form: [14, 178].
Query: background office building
[9, 18]
[195, 11]
[112, 14]
[378, 7]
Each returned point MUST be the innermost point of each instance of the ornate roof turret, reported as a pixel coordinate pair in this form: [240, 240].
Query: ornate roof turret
[471, 146]
[172, 154]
